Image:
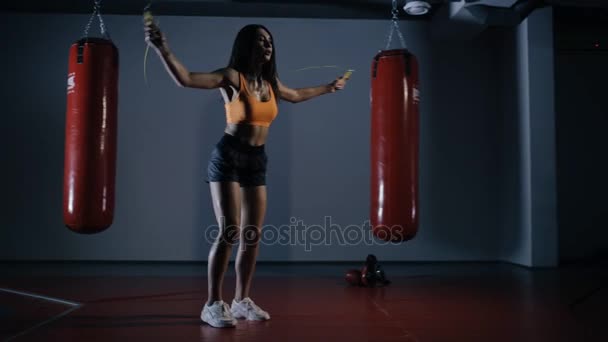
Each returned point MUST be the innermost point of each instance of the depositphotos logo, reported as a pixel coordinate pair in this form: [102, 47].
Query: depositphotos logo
[299, 234]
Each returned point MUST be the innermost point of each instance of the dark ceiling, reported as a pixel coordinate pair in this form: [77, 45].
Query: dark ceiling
[346, 9]
[572, 12]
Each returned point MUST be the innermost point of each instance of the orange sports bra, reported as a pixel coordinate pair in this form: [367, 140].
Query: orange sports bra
[246, 108]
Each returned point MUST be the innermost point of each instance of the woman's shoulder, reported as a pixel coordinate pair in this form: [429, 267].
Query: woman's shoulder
[229, 70]
[231, 75]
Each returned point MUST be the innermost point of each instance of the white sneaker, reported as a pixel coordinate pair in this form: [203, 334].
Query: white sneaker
[218, 315]
[246, 308]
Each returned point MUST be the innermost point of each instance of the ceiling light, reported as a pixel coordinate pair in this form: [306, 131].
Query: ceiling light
[413, 7]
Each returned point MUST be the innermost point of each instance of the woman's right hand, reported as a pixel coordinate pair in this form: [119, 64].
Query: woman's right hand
[153, 36]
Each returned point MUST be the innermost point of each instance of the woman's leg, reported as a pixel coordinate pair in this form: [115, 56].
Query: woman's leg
[252, 217]
[226, 199]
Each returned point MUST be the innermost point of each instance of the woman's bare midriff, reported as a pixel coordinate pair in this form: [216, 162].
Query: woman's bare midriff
[249, 134]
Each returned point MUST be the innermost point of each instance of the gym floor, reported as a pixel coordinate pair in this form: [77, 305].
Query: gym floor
[425, 302]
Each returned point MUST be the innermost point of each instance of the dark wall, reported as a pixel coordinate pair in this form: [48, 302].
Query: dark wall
[581, 69]
[318, 150]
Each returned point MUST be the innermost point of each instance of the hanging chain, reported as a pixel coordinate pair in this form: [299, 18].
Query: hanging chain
[102, 25]
[395, 12]
[395, 27]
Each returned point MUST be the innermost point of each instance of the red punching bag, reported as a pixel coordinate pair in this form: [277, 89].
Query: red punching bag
[90, 137]
[394, 145]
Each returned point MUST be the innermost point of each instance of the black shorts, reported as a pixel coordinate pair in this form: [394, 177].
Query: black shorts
[236, 161]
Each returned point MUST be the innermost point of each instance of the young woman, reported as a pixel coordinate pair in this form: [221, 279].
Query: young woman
[236, 171]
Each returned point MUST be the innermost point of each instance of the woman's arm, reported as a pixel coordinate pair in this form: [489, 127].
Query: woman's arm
[303, 94]
[180, 74]
[185, 78]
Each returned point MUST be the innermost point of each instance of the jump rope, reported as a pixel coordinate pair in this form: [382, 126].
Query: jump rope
[149, 18]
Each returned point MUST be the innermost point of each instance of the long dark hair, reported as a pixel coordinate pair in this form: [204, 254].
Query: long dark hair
[243, 58]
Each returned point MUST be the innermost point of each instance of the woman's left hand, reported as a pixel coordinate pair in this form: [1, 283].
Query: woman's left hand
[338, 84]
